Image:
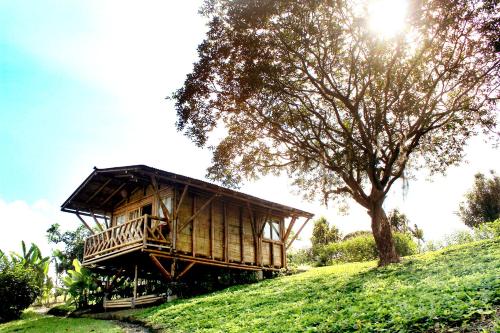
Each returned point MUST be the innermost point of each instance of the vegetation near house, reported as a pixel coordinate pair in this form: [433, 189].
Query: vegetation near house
[73, 241]
[328, 246]
[23, 279]
[306, 88]
[456, 288]
[18, 290]
[363, 248]
[323, 234]
[482, 202]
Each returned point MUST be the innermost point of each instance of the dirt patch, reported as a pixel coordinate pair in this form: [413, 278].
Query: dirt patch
[132, 328]
[124, 319]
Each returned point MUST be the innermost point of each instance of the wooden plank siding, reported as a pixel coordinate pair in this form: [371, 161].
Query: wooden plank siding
[222, 230]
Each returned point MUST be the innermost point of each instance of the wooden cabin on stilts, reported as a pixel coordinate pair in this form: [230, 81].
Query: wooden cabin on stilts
[151, 222]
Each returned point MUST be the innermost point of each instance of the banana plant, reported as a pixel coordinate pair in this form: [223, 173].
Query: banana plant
[80, 285]
[32, 258]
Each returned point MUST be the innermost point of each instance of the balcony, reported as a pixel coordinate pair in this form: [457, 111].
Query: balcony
[138, 233]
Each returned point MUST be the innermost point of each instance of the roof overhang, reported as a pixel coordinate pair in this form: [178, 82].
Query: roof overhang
[105, 189]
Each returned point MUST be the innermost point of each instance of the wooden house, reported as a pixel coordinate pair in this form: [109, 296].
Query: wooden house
[152, 220]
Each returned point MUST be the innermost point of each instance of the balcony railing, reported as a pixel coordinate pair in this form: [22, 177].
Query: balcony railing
[128, 236]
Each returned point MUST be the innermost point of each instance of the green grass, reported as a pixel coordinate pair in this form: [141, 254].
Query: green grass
[32, 322]
[458, 287]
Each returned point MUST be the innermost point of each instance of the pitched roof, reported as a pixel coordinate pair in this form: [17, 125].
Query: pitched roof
[102, 190]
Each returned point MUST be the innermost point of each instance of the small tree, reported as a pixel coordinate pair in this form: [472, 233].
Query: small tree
[323, 233]
[401, 223]
[482, 202]
[306, 87]
[73, 246]
[398, 221]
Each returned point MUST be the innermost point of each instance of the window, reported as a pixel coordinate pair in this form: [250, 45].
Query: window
[267, 231]
[272, 230]
[134, 214]
[275, 230]
[120, 219]
[167, 201]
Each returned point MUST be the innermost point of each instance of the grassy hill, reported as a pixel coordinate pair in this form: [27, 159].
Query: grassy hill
[453, 290]
[457, 288]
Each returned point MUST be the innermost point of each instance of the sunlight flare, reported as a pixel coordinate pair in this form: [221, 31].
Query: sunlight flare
[386, 18]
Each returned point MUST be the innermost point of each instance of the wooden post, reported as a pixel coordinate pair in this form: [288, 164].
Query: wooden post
[226, 233]
[193, 225]
[283, 251]
[185, 270]
[96, 221]
[254, 233]
[271, 252]
[172, 268]
[135, 288]
[259, 240]
[178, 206]
[85, 223]
[166, 213]
[185, 223]
[160, 267]
[242, 257]
[106, 224]
[297, 234]
[289, 229]
[174, 235]
[211, 231]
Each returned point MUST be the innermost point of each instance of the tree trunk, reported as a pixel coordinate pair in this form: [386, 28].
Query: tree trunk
[383, 236]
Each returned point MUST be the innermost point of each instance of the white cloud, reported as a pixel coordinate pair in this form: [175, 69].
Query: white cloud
[29, 222]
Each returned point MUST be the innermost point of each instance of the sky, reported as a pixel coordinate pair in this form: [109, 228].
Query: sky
[84, 84]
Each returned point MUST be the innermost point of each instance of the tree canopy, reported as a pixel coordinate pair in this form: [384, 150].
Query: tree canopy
[482, 202]
[73, 241]
[306, 88]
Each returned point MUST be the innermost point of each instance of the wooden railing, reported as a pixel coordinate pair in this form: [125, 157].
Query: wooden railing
[135, 233]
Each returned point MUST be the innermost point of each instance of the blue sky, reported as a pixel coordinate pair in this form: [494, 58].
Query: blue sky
[83, 84]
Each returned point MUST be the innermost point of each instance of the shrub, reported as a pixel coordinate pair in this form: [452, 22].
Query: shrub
[487, 230]
[363, 248]
[18, 290]
[300, 257]
[405, 244]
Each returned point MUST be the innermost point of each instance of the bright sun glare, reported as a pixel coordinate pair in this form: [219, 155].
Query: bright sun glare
[386, 18]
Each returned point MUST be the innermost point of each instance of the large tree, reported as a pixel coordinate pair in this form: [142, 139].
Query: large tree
[305, 87]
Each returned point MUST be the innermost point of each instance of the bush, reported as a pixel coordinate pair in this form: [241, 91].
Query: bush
[363, 248]
[18, 290]
[300, 257]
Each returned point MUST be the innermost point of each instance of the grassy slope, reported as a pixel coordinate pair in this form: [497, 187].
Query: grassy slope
[32, 322]
[448, 288]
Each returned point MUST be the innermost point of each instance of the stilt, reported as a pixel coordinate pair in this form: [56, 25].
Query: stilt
[172, 269]
[135, 288]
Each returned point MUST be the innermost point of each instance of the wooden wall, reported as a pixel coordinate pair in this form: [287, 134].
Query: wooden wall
[222, 230]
